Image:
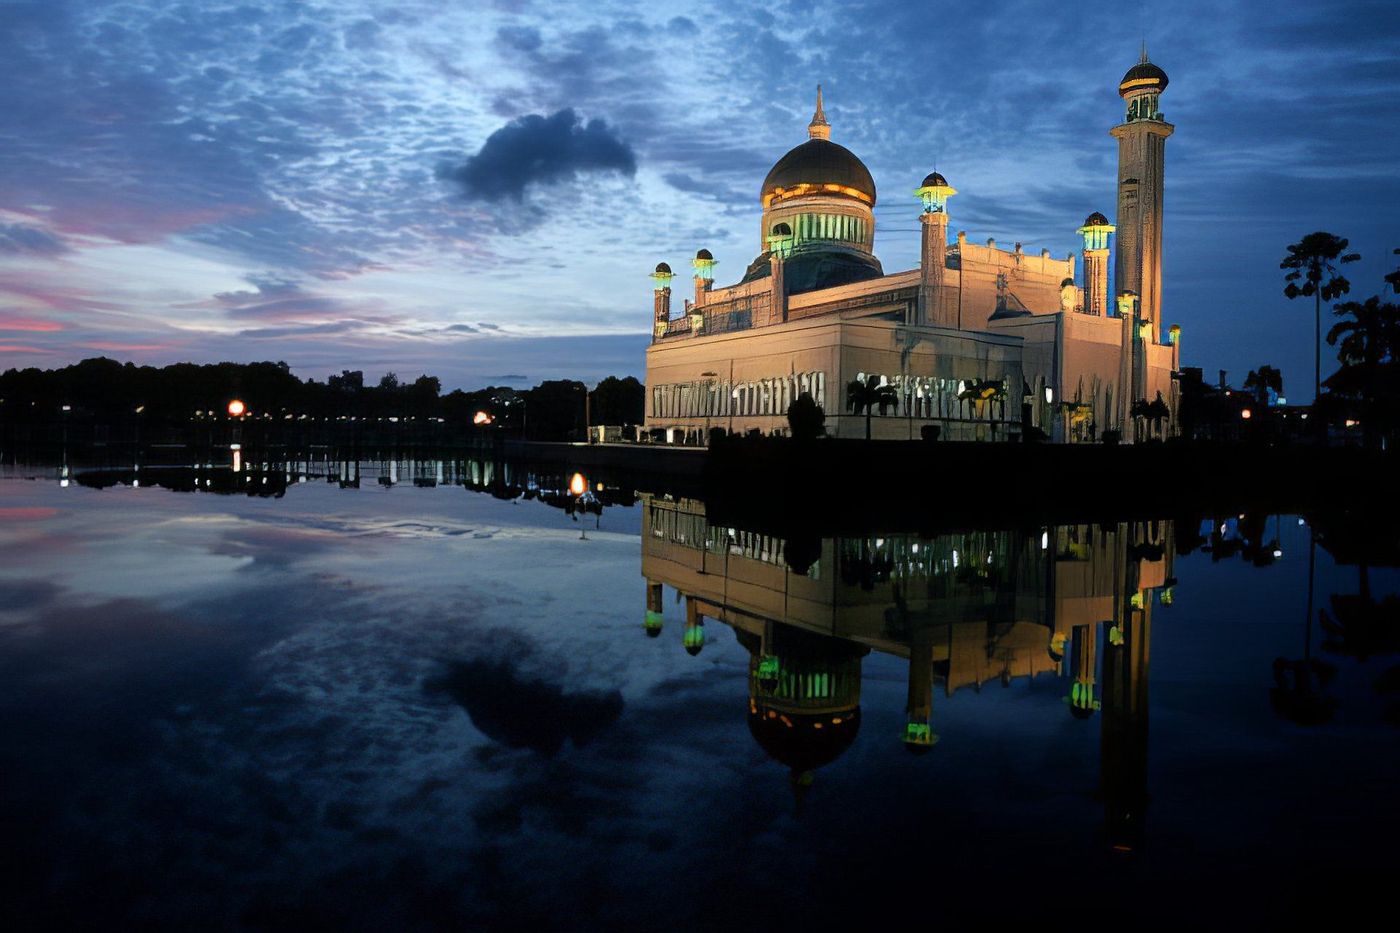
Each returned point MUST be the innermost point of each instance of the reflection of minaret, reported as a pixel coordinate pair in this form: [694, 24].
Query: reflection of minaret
[653, 620]
[918, 727]
[694, 635]
[804, 697]
[1083, 661]
[1142, 139]
[1123, 735]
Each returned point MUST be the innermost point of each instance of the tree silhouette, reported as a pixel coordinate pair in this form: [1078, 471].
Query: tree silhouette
[864, 396]
[1393, 278]
[1314, 260]
[1368, 341]
[1263, 379]
[805, 417]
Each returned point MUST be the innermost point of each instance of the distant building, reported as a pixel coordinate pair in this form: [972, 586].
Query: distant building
[982, 342]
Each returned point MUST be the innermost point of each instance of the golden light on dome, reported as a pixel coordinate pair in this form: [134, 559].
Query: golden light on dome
[797, 191]
[236, 408]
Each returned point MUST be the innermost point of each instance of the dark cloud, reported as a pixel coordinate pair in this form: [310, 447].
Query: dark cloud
[17, 239]
[520, 712]
[536, 149]
[519, 38]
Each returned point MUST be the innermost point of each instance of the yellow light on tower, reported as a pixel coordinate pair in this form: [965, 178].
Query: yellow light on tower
[578, 485]
[236, 408]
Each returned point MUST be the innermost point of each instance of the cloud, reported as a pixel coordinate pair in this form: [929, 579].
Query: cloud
[31, 325]
[536, 149]
[17, 239]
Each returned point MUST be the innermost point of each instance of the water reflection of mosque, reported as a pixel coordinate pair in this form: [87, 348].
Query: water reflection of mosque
[966, 609]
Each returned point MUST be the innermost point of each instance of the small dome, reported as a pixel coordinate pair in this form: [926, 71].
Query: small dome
[704, 254]
[819, 162]
[782, 229]
[804, 742]
[1144, 76]
[1066, 283]
[663, 269]
[1096, 219]
[934, 179]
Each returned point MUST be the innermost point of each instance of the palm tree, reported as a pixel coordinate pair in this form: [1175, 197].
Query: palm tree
[1314, 260]
[1263, 379]
[1157, 412]
[1393, 278]
[1364, 342]
[1365, 339]
[868, 394]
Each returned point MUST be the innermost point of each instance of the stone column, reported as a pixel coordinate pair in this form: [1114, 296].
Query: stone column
[1127, 377]
[1096, 281]
[779, 295]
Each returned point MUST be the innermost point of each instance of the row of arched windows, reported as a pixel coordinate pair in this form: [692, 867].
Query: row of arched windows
[839, 227]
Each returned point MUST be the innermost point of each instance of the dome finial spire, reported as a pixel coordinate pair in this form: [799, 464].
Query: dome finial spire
[1143, 60]
[819, 128]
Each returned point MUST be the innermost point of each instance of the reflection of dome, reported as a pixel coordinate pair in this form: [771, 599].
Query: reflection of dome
[653, 623]
[1066, 283]
[803, 741]
[1096, 219]
[817, 163]
[694, 639]
[811, 269]
[1143, 76]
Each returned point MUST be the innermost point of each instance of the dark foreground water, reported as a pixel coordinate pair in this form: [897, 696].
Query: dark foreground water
[403, 708]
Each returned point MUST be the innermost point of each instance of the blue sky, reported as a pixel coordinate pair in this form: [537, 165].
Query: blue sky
[478, 190]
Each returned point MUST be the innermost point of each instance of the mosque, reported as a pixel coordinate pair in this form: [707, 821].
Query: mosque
[979, 342]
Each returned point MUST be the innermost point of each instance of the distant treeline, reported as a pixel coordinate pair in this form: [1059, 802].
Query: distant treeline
[103, 391]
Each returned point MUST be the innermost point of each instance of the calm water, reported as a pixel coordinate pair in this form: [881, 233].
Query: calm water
[423, 706]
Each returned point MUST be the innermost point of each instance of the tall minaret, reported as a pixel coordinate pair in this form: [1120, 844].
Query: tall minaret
[1142, 140]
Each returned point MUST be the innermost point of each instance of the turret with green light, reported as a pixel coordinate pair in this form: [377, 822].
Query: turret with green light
[661, 299]
[933, 194]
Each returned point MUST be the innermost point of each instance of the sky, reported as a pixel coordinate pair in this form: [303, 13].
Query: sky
[478, 190]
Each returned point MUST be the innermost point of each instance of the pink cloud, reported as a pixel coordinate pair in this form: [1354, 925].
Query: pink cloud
[27, 513]
[29, 324]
